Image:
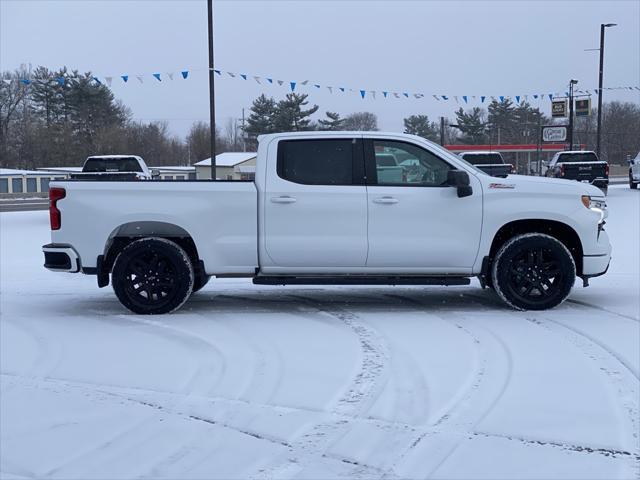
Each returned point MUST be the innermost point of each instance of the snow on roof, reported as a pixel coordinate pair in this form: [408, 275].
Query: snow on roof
[228, 159]
[577, 151]
[60, 169]
[179, 168]
[478, 152]
[246, 168]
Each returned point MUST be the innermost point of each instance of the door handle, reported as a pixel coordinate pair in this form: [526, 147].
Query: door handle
[283, 199]
[385, 200]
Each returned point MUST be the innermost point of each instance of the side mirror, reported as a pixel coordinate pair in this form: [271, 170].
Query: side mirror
[155, 173]
[460, 180]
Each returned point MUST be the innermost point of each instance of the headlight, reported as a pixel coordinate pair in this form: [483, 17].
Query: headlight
[597, 205]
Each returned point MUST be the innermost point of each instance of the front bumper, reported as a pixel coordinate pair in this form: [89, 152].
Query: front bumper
[61, 258]
[598, 263]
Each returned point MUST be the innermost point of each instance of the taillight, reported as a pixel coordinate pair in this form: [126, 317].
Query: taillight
[513, 168]
[55, 218]
[562, 170]
[606, 169]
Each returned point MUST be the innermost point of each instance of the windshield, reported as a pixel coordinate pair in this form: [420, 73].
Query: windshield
[483, 158]
[577, 157]
[123, 164]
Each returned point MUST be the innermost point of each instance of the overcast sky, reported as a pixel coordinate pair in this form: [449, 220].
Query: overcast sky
[432, 47]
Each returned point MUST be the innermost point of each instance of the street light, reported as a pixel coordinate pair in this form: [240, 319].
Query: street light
[599, 131]
[571, 84]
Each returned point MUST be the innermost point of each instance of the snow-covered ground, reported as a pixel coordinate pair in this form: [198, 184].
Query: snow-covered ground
[310, 382]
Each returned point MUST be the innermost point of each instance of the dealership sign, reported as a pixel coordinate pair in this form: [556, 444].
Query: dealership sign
[583, 107]
[554, 134]
[559, 108]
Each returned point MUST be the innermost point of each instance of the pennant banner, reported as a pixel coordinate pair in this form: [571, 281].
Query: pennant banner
[364, 93]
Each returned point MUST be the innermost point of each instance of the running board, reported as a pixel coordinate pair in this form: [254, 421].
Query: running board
[359, 280]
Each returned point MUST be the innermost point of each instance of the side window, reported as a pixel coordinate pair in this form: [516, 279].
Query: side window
[318, 162]
[405, 164]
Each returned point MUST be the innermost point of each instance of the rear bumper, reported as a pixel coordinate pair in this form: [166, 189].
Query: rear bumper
[61, 258]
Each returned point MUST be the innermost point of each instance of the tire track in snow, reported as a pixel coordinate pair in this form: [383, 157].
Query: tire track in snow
[202, 380]
[624, 381]
[471, 405]
[596, 307]
[361, 392]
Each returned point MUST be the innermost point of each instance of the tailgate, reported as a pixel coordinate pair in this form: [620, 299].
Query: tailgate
[584, 171]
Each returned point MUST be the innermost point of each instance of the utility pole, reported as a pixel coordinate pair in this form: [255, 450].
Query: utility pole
[212, 101]
[442, 131]
[570, 135]
[244, 138]
[599, 127]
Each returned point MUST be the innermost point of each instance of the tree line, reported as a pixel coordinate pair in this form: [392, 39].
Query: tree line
[51, 123]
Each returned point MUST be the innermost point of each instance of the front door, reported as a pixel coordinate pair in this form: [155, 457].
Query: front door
[417, 223]
[315, 205]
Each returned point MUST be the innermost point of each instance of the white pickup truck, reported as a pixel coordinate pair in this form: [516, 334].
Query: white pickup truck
[320, 213]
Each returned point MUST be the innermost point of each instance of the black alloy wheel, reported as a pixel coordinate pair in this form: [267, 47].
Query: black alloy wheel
[153, 276]
[533, 272]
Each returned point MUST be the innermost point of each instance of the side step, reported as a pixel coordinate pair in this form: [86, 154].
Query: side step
[359, 280]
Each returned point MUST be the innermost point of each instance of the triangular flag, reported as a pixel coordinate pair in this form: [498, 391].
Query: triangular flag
[280, 82]
[292, 85]
[170, 75]
[244, 76]
[436, 97]
[551, 96]
[270, 80]
[316, 85]
[482, 97]
[218, 72]
[231, 74]
[526, 97]
[97, 80]
[140, 79]
[257, 79]
[395, 94]
[464, 97]
[473, 96]
[330, 89]
[405, 94]
[517, 98]
[385, 94]
[341, 89]
[304, 82]
[501, 97]
[109, 80]
[25, 81]
[455, 97]
[157, 76]
[185, 74]
[362, 93]
[373, 93]
[125, 78]
[418, 95]
[60, 81]
[444, 97]
[637, 88]
[535, 96]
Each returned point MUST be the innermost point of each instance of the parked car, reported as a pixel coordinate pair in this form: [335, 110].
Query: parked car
[320, 212]
[583, 166]
[491, 163]
[114, 167]
[634, 172]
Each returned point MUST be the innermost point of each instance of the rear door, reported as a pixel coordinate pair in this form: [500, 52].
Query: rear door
[417, 224]
[315, 205]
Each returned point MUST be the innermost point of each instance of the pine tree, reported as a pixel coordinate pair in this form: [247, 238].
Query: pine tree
[261, 118]
[421, 126]
[290, 116]
[333, 122]
[471, 124]
[502, 121]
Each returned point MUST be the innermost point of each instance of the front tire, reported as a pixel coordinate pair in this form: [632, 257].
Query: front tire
[533, 271]
[152, 276]
[632, 184]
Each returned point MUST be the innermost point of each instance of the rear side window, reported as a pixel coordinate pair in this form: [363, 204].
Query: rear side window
[126, 164]
[318, 162]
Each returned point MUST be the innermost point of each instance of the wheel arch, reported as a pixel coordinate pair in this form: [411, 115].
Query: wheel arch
[127, 233]
[559, 230]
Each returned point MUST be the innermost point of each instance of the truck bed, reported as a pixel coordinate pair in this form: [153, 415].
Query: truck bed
[220, 217]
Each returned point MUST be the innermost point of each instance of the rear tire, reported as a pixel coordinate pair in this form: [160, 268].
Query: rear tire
[533, 271]
[152, 276]
[632, 184]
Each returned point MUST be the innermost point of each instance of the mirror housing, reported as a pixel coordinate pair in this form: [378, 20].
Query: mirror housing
[155, 173]
[460, 180]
